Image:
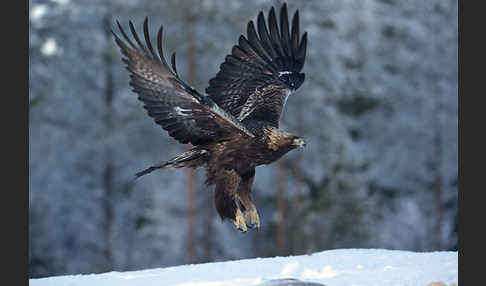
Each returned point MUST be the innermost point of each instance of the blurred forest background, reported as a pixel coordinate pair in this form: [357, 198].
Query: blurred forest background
[378, 109]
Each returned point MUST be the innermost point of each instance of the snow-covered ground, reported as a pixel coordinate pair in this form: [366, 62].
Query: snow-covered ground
[341, 267]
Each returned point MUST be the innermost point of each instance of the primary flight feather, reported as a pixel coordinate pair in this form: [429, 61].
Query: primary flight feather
[234, 127]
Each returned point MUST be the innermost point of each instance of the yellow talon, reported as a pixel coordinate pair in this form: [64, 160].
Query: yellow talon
[252, 218]
[240, 221]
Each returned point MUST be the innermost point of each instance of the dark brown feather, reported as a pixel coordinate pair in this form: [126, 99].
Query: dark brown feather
[285, 33]
[183, 112]
[235, 128]
[244, 84]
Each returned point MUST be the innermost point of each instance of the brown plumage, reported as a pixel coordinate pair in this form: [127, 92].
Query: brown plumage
[234, 127]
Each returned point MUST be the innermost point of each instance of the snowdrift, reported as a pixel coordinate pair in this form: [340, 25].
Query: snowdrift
[341, 267]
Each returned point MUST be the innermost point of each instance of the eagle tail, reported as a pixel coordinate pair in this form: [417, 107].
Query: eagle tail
[193, 158]
[148, 170]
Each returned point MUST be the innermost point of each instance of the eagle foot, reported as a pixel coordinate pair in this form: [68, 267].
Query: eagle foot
[252, 218]
[240, 221]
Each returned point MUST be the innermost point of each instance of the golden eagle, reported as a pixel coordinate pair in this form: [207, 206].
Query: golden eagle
[234, 126]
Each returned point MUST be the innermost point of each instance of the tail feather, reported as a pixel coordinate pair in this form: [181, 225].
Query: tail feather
[193, 158]
[149, 170]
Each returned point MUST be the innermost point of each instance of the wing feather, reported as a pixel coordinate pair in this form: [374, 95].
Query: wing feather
[285, 36]
[264, 36]
[255, 42]
[183, 112]
[275, 35]
[295, 33]
[249, 84]
[135, 36]
[302, 49]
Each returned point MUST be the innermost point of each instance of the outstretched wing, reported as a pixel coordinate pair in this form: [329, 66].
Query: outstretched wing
[258, 75]
[187, 115]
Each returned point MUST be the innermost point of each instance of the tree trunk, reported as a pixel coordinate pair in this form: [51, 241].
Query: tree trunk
[437, 184]
[280, 233]
[190, 217]
[107, 176]
[208, 234]
[108, 213]
[191, 77]
[297, 241]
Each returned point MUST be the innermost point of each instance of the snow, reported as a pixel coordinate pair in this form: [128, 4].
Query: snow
[333, 267]
[49, 47]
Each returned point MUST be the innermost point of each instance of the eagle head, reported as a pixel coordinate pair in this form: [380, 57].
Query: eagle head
[277, 139]
[293, 80]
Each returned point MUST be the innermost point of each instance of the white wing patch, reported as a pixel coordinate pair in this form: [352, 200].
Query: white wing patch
[284, 72]
[233, 121]
[288, 91]
[249, 106]
[180, 111]
[287, 94]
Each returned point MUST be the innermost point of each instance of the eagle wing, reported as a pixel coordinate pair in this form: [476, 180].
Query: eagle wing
[187, 115]
[250, 82]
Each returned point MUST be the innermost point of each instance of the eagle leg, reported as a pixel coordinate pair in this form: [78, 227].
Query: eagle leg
[240, 221]
[226, 198]
[252, 218]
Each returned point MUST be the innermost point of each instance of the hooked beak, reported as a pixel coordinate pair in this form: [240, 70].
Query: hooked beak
[299, 142]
